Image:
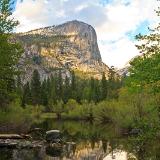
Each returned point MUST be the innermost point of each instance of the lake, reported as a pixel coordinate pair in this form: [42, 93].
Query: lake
[87, 141]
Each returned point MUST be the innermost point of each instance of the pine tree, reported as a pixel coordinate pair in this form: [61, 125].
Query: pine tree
[114, 83]
[19, 86]
[103, 87]
[52, 97]
[44, 93]
[73, 85]
[73, 81]
[86, 93]
[36, 88]
[97, 92]
[92, 90]
[67, 91]
[26, 97]
[59, 84]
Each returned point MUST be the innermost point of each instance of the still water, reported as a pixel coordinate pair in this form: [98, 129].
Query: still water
[87, 141]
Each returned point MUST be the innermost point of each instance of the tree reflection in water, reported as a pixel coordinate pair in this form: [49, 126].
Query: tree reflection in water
[88, 142]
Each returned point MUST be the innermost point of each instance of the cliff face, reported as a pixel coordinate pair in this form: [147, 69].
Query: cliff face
[70, 46]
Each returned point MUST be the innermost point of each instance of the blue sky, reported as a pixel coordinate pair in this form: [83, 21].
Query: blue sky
[116, 21]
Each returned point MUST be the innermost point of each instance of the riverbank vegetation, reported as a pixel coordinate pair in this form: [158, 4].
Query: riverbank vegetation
[132, 101]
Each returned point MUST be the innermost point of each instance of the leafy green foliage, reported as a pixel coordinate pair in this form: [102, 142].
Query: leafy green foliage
[144, 72]
[145, 69]
[10, 52]
[7, 23]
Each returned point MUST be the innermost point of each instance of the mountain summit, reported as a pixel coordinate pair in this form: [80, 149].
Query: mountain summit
[69, 46]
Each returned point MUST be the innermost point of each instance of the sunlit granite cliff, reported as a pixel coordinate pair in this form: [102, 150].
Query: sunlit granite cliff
[70, 46]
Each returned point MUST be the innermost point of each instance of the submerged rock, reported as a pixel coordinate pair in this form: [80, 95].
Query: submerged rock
[54, 151]
[8, 144]
[135, 131]
[20, 144]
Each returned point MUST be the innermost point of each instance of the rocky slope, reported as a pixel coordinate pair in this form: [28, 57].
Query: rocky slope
[123, 71]
[70, 46]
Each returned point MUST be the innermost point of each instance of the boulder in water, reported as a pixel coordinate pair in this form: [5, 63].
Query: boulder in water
[53, 136]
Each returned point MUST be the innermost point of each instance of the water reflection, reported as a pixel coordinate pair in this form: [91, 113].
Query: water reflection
[86, 141]
[69, 152]
[120, 155]
[53, 151]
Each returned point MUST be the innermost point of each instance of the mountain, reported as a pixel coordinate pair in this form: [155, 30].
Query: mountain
[123, 71]
[66, 47]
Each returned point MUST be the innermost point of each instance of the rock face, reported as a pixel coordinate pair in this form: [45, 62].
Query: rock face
[123, 71]
[70, 46]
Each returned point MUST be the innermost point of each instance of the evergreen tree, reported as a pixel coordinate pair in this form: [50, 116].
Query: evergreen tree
[19, 86]
[73, 81]
[36, 88]
[26, 97]
[48, 85]
[86, 93]
[103, 87]
[59, 85]
[97, 92]
[52, 97]
[112, 74]
[112, 92]
[73, 85]
[44, 93]
[10, 52]
[92, 90]
[67, 91]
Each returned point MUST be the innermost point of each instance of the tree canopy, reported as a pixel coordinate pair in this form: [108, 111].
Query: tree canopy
[145, 69]
[10, 52]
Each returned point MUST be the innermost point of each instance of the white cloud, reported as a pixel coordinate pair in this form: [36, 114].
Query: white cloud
[111, 21]
[118, 52]
[42, 12]
[125, 18]
[122, 19]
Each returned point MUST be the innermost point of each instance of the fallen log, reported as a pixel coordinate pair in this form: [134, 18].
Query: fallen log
[11, 136]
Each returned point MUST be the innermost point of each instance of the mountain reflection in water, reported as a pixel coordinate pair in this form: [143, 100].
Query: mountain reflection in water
[82, 152]
[87, 141]
[120, 155]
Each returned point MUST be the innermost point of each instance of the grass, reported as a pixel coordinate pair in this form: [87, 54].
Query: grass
[15, 118]
[48, 115]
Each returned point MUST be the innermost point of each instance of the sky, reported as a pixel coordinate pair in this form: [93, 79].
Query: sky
[115, 21]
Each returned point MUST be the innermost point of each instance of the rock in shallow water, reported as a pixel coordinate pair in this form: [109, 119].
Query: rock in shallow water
[8, 144]
[53, 136]
[20, 144]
